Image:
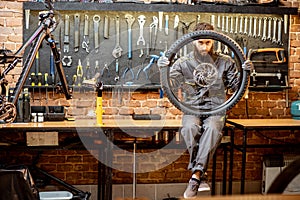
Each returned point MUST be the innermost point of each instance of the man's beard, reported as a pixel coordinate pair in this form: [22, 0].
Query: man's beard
[204, 56]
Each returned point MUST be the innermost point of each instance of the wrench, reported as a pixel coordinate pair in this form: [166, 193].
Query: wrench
[85, 42]
[269, 28]
[279, 36]
[264, 36]
[274, 40]
[236, 24]
[76, 32]
[96, 20]
[117, 51]
[66, 36]
[223, 24]
[254, 26]
[245, 25]
[241, 24]
[231, 24]
[219, 21]
[167, 24]
[259, 26]
[250, 26]
[227, 24]
[129, 19]
[141, 20]
[106, 27]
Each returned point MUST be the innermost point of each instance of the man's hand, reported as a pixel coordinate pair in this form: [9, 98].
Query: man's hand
[163, 61]
[248, 65]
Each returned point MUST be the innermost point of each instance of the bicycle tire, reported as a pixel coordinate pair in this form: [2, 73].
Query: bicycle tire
[205, 34]
[285, 177]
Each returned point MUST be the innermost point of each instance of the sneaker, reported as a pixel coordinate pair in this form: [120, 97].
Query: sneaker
[192, 188]
[204, 186]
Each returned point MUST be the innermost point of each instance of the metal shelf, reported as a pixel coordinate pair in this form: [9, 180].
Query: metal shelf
[207, 8]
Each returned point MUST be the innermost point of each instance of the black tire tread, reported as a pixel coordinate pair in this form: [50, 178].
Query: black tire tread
[206, 34]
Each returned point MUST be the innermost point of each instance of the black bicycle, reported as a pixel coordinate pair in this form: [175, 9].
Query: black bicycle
[208, 74]
[47, 25]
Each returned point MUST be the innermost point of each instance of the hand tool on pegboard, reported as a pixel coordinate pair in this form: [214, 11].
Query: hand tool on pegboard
[117, 51]
[76, 31]
[106, 27]
[141, 39]
[153, 30]
[96, 20]
[130, 20]
[85, 42]
[66, 34]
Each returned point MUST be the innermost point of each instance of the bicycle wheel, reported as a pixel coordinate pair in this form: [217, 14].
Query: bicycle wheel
[231, 99]
[285, 177]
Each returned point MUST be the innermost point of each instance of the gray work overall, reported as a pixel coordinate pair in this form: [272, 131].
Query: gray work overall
[202, 135]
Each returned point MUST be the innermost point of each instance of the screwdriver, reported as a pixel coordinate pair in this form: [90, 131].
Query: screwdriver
[32, 82]
[46, 85]
[74, 81]
[40, 77]
[52, 71]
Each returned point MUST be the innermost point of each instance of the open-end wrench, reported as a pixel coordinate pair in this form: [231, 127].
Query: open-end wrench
[231, 24]
[96, 20]
[279, 36]
[250, 26]
[129, 19]
[76, 31]
[67, 32]
[236, 24]
[86, 41]
[269, 28]
[254, 27]
[167, 24]
[227, 24]
[285, 23]
[274, 39]
[117, 51]
[241, 25]
[223, 24]
[141, 20]
[264, 36]
[246, 25]
[219, 21]
[259, 26]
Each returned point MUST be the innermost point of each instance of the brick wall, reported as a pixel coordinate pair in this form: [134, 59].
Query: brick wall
[79, 167]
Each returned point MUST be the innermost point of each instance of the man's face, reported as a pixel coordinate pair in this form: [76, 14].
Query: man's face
[203, 45]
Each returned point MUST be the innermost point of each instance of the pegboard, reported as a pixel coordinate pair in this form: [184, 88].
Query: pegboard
[104, 63]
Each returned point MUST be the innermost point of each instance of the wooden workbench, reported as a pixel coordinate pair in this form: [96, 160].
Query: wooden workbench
[257, 124]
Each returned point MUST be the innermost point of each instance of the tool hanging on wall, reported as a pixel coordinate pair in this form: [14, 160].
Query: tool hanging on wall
[130, 20]
[96, 20]
[76, 32]
[106, 27]
[86, 41]
[67, 32]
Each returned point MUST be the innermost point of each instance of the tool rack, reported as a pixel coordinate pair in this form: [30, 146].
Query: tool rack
[125, 70]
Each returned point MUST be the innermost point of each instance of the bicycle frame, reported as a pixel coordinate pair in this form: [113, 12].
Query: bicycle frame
[43, 32]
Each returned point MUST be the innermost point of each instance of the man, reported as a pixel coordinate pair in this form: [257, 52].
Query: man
[202, 90]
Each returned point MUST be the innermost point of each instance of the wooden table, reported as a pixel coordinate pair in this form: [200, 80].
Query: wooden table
[110, 127]
[258, 124]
